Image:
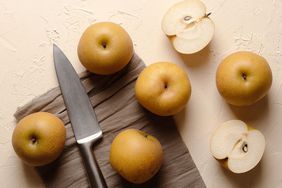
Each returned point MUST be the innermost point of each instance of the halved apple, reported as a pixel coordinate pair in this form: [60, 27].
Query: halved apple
[237, 146]
[188, 26]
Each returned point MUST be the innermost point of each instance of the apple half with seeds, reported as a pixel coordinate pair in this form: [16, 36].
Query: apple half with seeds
[188, 26]
[237, 146]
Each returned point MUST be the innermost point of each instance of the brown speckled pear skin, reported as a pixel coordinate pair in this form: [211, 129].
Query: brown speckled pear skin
[39, 138]
[117, 109]
[243, 78]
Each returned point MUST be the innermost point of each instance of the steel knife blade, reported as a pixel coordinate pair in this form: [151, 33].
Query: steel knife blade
[81, 114]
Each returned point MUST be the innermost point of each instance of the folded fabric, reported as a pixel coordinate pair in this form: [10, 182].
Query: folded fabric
[116, 108]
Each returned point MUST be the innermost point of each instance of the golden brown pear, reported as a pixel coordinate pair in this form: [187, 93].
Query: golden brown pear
[39, 138]
[105, 48]
[163, 88]
[136, 155]
[243, 78]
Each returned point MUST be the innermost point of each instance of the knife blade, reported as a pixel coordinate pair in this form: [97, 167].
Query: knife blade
[81, 114]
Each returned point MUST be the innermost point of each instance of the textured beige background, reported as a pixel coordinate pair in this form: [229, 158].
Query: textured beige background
[28, 28]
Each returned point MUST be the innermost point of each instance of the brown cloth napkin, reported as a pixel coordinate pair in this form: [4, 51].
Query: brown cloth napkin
[116, 108]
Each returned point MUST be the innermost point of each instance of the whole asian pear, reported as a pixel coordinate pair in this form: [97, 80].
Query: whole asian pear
[243, 78]
[136, 155]
[105, 48]
[39, 138]
[163, 88]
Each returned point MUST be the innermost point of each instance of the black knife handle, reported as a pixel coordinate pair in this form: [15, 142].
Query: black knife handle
[95, 175]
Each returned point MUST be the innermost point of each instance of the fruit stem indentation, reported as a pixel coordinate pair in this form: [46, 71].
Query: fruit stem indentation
[165, 86]
[33, 140]
[244, 76]
[104, 44]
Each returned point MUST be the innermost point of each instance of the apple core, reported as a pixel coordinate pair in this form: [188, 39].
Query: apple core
[188, 26]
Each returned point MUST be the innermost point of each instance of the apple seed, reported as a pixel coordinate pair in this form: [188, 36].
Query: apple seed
[245, 147]
[187, 18]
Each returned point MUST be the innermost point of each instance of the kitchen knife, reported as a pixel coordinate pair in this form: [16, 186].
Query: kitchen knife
[81, 114]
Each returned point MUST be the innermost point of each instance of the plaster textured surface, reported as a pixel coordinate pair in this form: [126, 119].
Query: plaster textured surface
[28, 29]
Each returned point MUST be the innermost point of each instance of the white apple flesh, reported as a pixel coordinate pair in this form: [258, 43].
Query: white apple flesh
[238, 146]
[188, 26]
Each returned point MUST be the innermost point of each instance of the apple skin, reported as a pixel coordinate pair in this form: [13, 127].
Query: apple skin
[243, 78]
[105, 48]
[39, 138]
[163, 88]
[136, 156]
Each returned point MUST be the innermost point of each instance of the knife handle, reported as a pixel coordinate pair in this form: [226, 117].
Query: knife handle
[95, 176]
